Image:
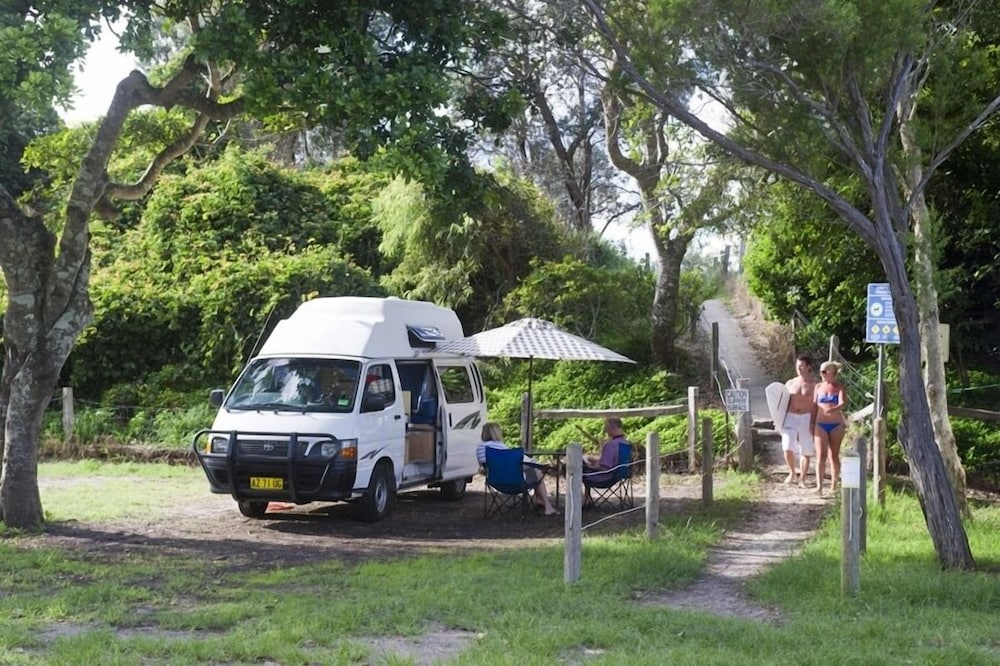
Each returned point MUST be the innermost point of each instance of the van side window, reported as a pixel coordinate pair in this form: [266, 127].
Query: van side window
[379, 381]
[457, 384]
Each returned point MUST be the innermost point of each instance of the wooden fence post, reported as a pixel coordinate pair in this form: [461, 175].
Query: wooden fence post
[707, 462]
[574, 513]
[692, 428]
[652, 484]
[67, 413]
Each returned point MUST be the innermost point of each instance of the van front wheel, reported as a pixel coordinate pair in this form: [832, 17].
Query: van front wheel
[252, 509]
[381, 495]
[453, 490]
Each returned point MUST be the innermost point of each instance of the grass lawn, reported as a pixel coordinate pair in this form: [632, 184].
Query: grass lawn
[505, 607]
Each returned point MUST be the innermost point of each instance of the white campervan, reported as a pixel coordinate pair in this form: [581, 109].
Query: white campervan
[348, 400]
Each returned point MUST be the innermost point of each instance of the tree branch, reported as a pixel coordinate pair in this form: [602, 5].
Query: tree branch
[851, 215]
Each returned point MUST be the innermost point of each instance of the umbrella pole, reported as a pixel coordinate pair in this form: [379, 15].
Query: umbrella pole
[530, 435]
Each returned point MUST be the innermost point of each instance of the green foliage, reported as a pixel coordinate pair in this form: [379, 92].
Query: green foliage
[573, 384]
[699, 282]
[220, 252]
[483, 248]
[126, 424]
[609, 306]
[208, 318]
[238, 200]
[801, 261]
[974, 388]
[94, 426]
[978, 447]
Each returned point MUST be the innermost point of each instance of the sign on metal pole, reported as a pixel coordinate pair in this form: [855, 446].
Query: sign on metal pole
[880, 320]
[737, 400]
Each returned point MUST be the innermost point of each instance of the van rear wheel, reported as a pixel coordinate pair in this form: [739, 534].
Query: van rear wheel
[453, 490]
[252, 509]
[381, 495]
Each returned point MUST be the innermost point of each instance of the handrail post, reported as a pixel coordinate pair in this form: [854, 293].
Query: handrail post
[707, 462]
[692, 427]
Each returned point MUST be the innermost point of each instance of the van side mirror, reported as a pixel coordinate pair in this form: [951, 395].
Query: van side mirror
[215, 397]
[372, 402]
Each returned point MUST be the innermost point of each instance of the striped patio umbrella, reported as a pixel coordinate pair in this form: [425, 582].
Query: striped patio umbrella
[531, 338]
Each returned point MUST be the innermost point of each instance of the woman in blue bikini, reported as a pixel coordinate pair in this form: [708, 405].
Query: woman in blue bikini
[830, 398]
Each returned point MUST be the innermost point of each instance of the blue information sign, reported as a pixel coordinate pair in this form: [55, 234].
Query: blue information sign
[880, 320]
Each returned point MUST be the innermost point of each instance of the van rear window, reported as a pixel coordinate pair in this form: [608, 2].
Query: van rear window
[457, 384]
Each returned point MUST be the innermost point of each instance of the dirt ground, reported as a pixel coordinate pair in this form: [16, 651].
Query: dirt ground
[422, 521]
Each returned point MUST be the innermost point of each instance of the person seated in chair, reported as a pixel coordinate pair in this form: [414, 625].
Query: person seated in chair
[600, 467]
[492, 437]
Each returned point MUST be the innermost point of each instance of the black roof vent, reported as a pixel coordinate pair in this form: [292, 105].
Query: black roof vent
[424, 336]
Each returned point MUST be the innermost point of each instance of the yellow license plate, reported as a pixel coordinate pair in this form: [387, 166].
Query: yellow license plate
[266, 483]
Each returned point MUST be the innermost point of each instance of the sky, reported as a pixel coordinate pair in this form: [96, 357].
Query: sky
[104, 67]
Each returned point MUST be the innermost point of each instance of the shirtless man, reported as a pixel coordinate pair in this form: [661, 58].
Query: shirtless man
[797, 430]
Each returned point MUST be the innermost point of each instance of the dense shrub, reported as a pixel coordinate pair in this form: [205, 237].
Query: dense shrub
[219, 255]
[206, 320]
[609, 306]
[579, 385]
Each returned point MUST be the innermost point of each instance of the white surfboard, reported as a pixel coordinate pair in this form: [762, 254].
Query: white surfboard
[778, 398]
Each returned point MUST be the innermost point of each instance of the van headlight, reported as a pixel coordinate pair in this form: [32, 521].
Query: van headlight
[348, 449]
[329, 449]
[218, 445]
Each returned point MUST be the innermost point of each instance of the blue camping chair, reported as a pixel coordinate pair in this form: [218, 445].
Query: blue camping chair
[614, 484]
[506, 488]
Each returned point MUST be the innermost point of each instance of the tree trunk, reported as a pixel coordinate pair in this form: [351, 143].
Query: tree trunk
[916, 434]
[577, 185]
[31, 390]
[935, 381]
[48, 307]
[670, 253]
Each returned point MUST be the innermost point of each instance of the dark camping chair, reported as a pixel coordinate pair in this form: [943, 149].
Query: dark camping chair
[613, 484]
[506, 488]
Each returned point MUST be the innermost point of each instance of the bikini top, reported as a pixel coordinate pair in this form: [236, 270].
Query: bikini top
[828, 398]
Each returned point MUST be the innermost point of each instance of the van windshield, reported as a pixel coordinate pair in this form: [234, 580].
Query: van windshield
[298, 384]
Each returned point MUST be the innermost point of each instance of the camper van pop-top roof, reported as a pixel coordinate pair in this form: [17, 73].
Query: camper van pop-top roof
[362, 327]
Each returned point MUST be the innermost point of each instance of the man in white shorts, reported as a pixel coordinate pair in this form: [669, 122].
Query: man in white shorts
[797, 430]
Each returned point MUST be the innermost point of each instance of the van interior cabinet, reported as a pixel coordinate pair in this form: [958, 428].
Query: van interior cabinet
[419, 443]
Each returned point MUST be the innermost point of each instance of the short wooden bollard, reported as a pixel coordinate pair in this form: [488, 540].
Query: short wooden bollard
[652, 485]
[850, 521]
[67, 413]
[707, 461]
[574, 514]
